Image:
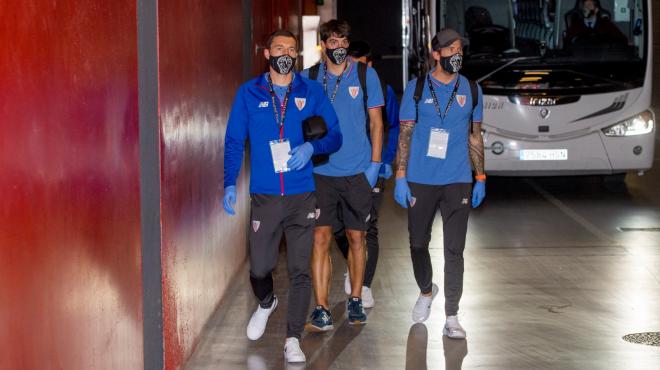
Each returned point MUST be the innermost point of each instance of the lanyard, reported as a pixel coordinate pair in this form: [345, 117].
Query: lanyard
[435, 98]
[284, 103]
[325, 81]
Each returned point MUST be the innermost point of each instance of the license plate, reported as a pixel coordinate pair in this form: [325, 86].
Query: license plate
[543, 154]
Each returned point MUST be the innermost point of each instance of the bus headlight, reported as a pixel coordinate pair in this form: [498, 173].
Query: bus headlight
[638, 125]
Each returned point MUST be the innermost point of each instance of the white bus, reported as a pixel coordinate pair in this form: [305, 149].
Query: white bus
[563, 95]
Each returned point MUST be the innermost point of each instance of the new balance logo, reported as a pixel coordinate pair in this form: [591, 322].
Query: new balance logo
[263, 104]
[464, 201]
[311, 215]
[427, 101]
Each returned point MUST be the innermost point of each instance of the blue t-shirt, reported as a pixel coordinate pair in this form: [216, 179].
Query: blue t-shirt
[456, 166]
[354, 155]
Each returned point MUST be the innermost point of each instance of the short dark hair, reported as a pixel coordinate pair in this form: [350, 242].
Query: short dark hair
[334, 27]
[277, 33]
[359, 49]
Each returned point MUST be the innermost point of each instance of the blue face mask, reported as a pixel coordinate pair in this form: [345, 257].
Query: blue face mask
[452, 63]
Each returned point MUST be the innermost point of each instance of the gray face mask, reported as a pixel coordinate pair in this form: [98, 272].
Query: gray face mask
[452, 63]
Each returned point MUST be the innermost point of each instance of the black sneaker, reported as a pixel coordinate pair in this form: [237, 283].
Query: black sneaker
[321, 320]
[356, 315]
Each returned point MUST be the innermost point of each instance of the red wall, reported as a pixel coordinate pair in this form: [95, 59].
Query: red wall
[70, 288]
[201, 67]
[200, 56]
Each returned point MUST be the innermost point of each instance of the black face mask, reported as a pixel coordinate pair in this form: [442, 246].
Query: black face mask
[282, 64]
[337, 55]
[452, 63]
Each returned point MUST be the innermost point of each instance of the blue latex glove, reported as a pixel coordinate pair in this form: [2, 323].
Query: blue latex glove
[372, 173]
[478, 193]
[229, 199]
[300, 155]
[386, 171]
[402, 193]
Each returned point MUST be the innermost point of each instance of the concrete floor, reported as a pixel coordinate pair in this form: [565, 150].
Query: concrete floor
[551, 283]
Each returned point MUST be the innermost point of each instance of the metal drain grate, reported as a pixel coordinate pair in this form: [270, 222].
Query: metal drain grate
[651, 229]
[650, 339]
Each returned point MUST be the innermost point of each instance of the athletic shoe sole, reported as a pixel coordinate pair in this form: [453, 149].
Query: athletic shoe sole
[313, 328]
[357, 322]
[446, 332]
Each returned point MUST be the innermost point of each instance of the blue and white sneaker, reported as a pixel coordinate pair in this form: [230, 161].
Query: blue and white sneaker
[356, 314]
[321, 320]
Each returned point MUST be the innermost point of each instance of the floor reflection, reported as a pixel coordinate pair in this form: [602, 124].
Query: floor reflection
[455, 351]
[418, 338]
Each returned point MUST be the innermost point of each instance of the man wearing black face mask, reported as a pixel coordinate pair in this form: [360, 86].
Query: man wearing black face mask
[440, 144]
[347, 179]
[269, 111]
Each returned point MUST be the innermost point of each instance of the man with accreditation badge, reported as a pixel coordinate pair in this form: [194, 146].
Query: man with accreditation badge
[274, 111]
[440, 146]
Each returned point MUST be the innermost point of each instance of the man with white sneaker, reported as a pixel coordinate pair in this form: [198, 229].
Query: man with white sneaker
[440, 145]
[269, 111]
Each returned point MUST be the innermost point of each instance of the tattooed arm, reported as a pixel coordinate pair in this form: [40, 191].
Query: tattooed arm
[403, 148]
[476, 144]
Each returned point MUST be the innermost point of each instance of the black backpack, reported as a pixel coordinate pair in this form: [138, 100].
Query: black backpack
[419, 88]
[362, 77]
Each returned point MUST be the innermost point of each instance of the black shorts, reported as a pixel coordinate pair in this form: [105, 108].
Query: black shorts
[350, 195]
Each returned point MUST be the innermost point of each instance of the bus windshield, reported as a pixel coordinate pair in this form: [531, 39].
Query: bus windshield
[552, 46]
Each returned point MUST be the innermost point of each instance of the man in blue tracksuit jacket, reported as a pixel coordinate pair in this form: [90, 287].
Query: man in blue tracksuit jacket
[269, 111]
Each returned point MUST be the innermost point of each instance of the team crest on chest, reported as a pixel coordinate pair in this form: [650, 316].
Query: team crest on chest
[300, 103]
[460, 99]
[255, 225]
[354, 91]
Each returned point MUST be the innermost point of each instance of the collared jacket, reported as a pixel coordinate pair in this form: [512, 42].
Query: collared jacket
[252, 118]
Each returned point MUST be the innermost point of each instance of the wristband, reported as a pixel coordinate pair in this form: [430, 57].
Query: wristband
[481, 178]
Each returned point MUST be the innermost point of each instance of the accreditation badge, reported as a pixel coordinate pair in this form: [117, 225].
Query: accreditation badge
[438, 140]
[279, 150]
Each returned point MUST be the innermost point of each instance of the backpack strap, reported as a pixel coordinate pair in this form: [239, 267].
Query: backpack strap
[417, 96]
[362, 76]
[474, 90]
[383, 87]
[314, 71]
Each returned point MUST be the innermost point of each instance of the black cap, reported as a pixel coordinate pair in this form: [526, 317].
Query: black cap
[446, 37]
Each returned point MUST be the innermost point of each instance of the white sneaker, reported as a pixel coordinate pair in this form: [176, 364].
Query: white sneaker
[258, 321]
[422, 308]
[347, 283]
[453, 328]
[292, 351]
[367, 297]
